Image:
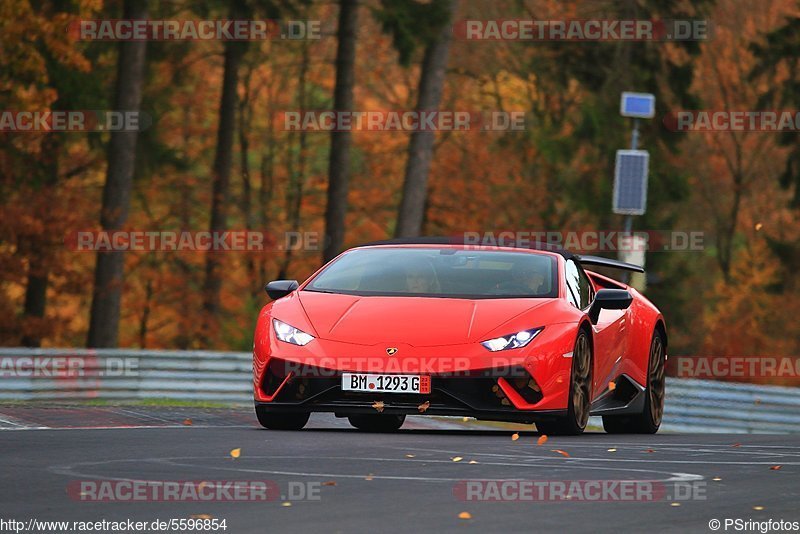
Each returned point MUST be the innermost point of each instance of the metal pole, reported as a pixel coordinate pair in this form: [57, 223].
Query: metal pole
[634, 146]
[628, 228]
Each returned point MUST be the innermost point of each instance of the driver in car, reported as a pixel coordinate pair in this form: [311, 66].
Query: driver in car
[525, 280]
[421, 278]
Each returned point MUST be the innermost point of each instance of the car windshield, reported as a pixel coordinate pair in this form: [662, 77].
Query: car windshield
[439, 272]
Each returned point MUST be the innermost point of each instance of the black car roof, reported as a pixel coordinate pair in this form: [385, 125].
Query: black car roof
[528, 245]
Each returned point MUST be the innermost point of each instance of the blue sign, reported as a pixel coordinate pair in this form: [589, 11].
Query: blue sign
[637, 105]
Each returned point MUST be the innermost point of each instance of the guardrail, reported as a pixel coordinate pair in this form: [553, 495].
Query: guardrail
[124, 375]
[714, 406]
[225, 377]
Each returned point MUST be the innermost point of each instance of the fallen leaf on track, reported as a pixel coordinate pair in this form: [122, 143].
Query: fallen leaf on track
[329, 483]
[758, 508]
[562, 453]
[235, 453]
[473, 462]
[465, 515]
[736, 445]
[457, 458]
[369, 477]
[410, 455]
[378, 405]
[675, 504]
[649, 450]
[612, 450]
[187, 422]
[776, 467]
[514, 436]
[542, 439]
[286, 504]
[716, 479]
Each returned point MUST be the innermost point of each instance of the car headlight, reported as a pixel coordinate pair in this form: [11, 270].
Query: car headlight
[289, 334]
[511, 341]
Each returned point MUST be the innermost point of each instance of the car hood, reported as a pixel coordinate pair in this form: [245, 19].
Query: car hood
[417, 321]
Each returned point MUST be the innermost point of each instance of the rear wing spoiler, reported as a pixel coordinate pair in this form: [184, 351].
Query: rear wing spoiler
[607, 262]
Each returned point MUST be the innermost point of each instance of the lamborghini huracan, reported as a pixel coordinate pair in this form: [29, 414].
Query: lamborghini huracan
[433, 327]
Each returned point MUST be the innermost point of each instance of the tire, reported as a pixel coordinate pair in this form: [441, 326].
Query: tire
[580, 393]
[377, 422]
[281, 421]
[649, 420]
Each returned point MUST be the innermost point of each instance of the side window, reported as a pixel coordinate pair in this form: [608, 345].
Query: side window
[572, 279]
[579, 288]
[585, 288]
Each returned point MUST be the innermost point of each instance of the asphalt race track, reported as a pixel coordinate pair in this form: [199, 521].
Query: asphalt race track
[401, 482]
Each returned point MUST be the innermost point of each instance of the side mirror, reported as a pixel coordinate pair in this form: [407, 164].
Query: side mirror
[609, 299]
[280, 288]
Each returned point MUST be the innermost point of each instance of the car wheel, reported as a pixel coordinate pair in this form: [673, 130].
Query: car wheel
[377, 422]
[649, 420]
[580, 393]
[281, 421]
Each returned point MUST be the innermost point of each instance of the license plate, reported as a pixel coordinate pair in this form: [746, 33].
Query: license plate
[376, 383]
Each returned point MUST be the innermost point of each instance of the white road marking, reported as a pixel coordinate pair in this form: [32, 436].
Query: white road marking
[72, 470]
[17, 424]
[131, 427]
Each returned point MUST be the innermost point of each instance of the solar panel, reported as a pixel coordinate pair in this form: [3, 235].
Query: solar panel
[630, 182]
[637, 105]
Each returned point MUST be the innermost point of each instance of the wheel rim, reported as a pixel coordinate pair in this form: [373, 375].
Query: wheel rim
[581, 379]
[656, 380]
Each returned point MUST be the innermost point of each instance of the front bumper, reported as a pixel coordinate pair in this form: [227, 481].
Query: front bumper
[500, 394]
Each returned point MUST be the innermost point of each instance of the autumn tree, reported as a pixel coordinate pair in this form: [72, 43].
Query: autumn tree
[221, 172]
[420, 147]
[339, 163]
[37, 201]
[777, 71]
[108, 280]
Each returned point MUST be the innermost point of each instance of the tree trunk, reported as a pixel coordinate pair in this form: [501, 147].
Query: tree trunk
[148, 298]
[339, 164]
[297, 177]
[420, 148]
[266, 186]
[221, 180]
[108, 274]
[41, 254]
[245, 116]
[186, 308]
[35, 299]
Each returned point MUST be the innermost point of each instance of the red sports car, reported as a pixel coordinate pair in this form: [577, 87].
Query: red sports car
[432, 327]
